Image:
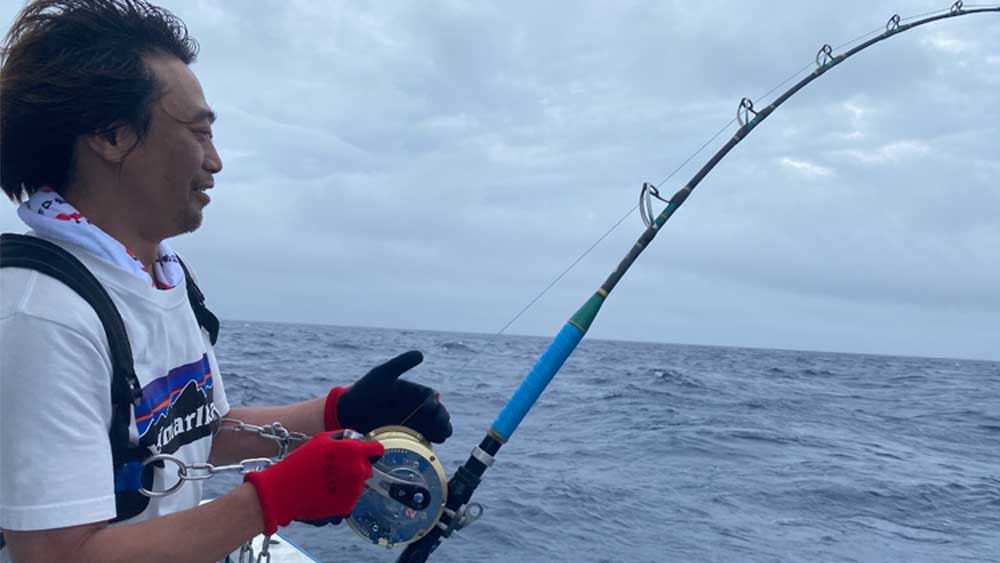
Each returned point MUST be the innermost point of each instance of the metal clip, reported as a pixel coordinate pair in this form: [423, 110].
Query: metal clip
[274, 431]
[347, 434]
[648, 219]
[893, 24]
[458, 519]
[265, 551]
[181, 475]
[744, 111]
[250, 465]
[824, 56]
[956, 7]
[201, 471]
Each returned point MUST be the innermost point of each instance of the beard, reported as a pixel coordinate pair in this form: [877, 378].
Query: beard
[188, 220]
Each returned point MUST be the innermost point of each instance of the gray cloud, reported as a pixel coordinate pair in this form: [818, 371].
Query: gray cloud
[436, 165]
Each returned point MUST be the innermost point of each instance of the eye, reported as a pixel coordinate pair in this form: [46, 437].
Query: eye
[203, 134]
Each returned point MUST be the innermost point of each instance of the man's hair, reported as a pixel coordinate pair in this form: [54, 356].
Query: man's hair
[73, 68]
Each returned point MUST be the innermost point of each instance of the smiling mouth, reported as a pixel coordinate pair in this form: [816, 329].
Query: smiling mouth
[201, 195]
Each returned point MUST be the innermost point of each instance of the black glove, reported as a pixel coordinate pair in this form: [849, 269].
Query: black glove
[380, 398]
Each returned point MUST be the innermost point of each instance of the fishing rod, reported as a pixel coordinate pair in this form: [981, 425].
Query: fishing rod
[383, 521]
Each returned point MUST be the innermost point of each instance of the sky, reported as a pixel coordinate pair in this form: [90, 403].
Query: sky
[435, 165]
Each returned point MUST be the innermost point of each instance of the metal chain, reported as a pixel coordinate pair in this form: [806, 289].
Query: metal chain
[274, 431]
[246, 553]
[202, 471]
[265, 554]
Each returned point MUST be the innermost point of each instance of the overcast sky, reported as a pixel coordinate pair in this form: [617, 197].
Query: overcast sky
[434, 165]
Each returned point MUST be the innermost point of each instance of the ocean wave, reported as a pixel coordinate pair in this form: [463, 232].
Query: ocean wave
[457, 346]
[648, 452]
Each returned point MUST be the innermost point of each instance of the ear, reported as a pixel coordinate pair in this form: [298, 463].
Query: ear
[113, 145]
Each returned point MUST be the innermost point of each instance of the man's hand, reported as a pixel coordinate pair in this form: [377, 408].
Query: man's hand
[321, 479]
[380, 398]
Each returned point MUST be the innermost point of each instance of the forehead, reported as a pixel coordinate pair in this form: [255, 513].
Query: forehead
[183, 99]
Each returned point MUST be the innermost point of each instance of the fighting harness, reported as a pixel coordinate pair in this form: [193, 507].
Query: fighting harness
[32, 253]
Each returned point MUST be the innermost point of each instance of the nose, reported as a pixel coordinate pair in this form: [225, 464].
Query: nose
[213, 162]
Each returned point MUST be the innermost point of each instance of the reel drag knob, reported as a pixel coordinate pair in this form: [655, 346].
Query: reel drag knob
[407, 492]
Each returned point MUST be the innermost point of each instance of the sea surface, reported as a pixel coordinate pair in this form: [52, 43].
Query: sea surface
[656, 452]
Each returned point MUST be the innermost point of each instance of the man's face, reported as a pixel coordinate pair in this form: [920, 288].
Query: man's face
[167, 174]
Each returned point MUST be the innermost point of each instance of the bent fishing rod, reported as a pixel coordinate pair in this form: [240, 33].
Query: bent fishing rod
[458, 511]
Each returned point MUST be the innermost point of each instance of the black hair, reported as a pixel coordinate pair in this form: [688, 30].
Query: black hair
[72, 68]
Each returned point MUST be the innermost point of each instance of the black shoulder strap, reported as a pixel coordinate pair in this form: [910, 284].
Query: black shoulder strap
[206, 319]
[21, 251]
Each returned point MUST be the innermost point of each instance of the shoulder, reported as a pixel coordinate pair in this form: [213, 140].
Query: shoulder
[26, 293]
[29, 295]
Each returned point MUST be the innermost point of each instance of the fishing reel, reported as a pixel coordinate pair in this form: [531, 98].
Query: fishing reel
[407, 492]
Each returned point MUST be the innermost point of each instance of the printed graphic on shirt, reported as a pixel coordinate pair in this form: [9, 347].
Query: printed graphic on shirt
[177, 409]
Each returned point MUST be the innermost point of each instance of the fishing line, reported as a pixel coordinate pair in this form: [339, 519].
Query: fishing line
[550, 286]
[566, 271]
[926, 14]
[459, 510]
[805, 69]
[879, 30]
[762, 98]
[611, 229]
[597, 242]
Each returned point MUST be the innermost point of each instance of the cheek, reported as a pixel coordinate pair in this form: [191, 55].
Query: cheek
[185, 161]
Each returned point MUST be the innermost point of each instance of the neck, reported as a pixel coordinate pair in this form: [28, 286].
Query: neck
[101, 210]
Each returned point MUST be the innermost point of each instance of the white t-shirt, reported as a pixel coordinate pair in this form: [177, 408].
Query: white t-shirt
[55, 395]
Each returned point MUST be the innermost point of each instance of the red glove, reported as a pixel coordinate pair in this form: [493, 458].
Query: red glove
[331, 420]
[321, 479]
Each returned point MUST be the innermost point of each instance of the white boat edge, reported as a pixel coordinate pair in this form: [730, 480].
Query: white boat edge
[282, 550]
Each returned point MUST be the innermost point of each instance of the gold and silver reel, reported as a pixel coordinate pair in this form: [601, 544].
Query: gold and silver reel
[407, 492]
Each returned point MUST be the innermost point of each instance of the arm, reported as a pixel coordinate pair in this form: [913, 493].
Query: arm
[322, 479]
[206, 533]
[379, 398]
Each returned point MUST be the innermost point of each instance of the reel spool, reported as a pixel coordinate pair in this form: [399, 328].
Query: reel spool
[409, 464]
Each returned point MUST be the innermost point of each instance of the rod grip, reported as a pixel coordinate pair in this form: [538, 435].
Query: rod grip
[536, 381]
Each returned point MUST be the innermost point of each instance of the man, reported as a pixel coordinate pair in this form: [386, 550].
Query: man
[106, 134]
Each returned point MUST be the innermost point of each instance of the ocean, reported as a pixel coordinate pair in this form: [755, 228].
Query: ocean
[646, 452]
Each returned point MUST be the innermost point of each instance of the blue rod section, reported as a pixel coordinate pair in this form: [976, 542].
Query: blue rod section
[536, 381]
